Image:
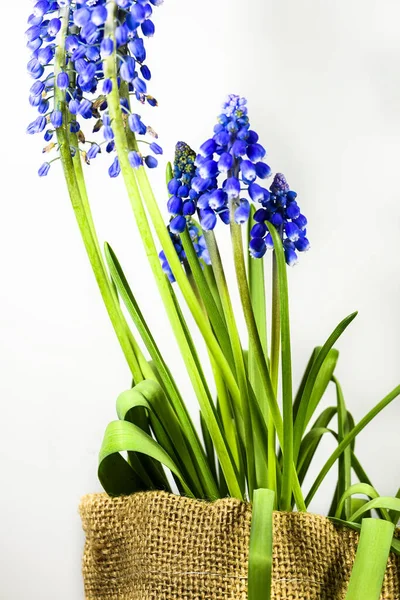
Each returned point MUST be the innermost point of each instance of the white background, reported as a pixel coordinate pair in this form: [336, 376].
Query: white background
[323, 83]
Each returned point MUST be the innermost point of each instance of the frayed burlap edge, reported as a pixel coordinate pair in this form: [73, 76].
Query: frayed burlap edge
[157, 546]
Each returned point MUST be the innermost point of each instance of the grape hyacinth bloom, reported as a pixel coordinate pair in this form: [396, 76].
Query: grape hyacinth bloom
[82, 82]
[227, 167]
[228, 177]
[181, 207]
[280, 209]
[180, 204]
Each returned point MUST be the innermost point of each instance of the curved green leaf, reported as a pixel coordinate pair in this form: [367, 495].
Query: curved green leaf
[122, 436]
[382, 502]
[357, 488]
[166, 427]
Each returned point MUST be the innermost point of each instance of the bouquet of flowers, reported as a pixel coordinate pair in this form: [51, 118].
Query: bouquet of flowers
[258, 436]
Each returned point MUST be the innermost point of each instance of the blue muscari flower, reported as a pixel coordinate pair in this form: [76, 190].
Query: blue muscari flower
[148, 28]
[156, 148]
[85, 47]
[281, 209]
[128, 69]
[107, 86]
[44, 169]
[151, 161]
[108, 133]
[106, 47]
[37, 126]
[74, 106]
[135, 159]
[115, 168]
[56, 118]
[93, 151]
[63, 81]
[99, 15]
[177, 224]
[53, 27]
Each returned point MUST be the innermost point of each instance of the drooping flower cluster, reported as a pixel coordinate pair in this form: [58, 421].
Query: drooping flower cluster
[226, 178]
[83, 80]
[282, 210]
[182, 208]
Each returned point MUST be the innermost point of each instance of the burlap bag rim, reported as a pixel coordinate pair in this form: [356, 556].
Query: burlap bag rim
[155, 545]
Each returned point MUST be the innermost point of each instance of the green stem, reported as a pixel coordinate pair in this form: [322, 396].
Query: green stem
[202, 392]
[287, 390]
[256, 278]
[79, 209]
[254, 339]
[206, 296]
[248, 441]
[275, 348]
[276, 326]
[282, 427]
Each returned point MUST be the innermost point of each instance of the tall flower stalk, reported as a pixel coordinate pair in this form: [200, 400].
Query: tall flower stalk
[88, 62]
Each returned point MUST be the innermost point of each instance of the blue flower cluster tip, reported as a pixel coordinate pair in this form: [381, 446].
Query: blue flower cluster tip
[182, 207]
[281, 209]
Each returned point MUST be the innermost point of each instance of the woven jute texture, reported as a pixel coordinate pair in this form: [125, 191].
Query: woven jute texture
[157, 546]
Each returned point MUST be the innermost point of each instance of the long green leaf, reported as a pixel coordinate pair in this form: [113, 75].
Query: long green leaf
[211, 417]
[241, 408]
[132, 306]
[344, 461]
[300, 391]
[348, 440]
[260, 550]
[371, 560]
[211, 308]
[304, 412]
[322, 381]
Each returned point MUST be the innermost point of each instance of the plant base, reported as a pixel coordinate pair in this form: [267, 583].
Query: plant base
[157, 546]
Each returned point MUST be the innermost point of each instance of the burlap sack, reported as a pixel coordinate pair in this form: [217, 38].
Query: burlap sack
[156, 546]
